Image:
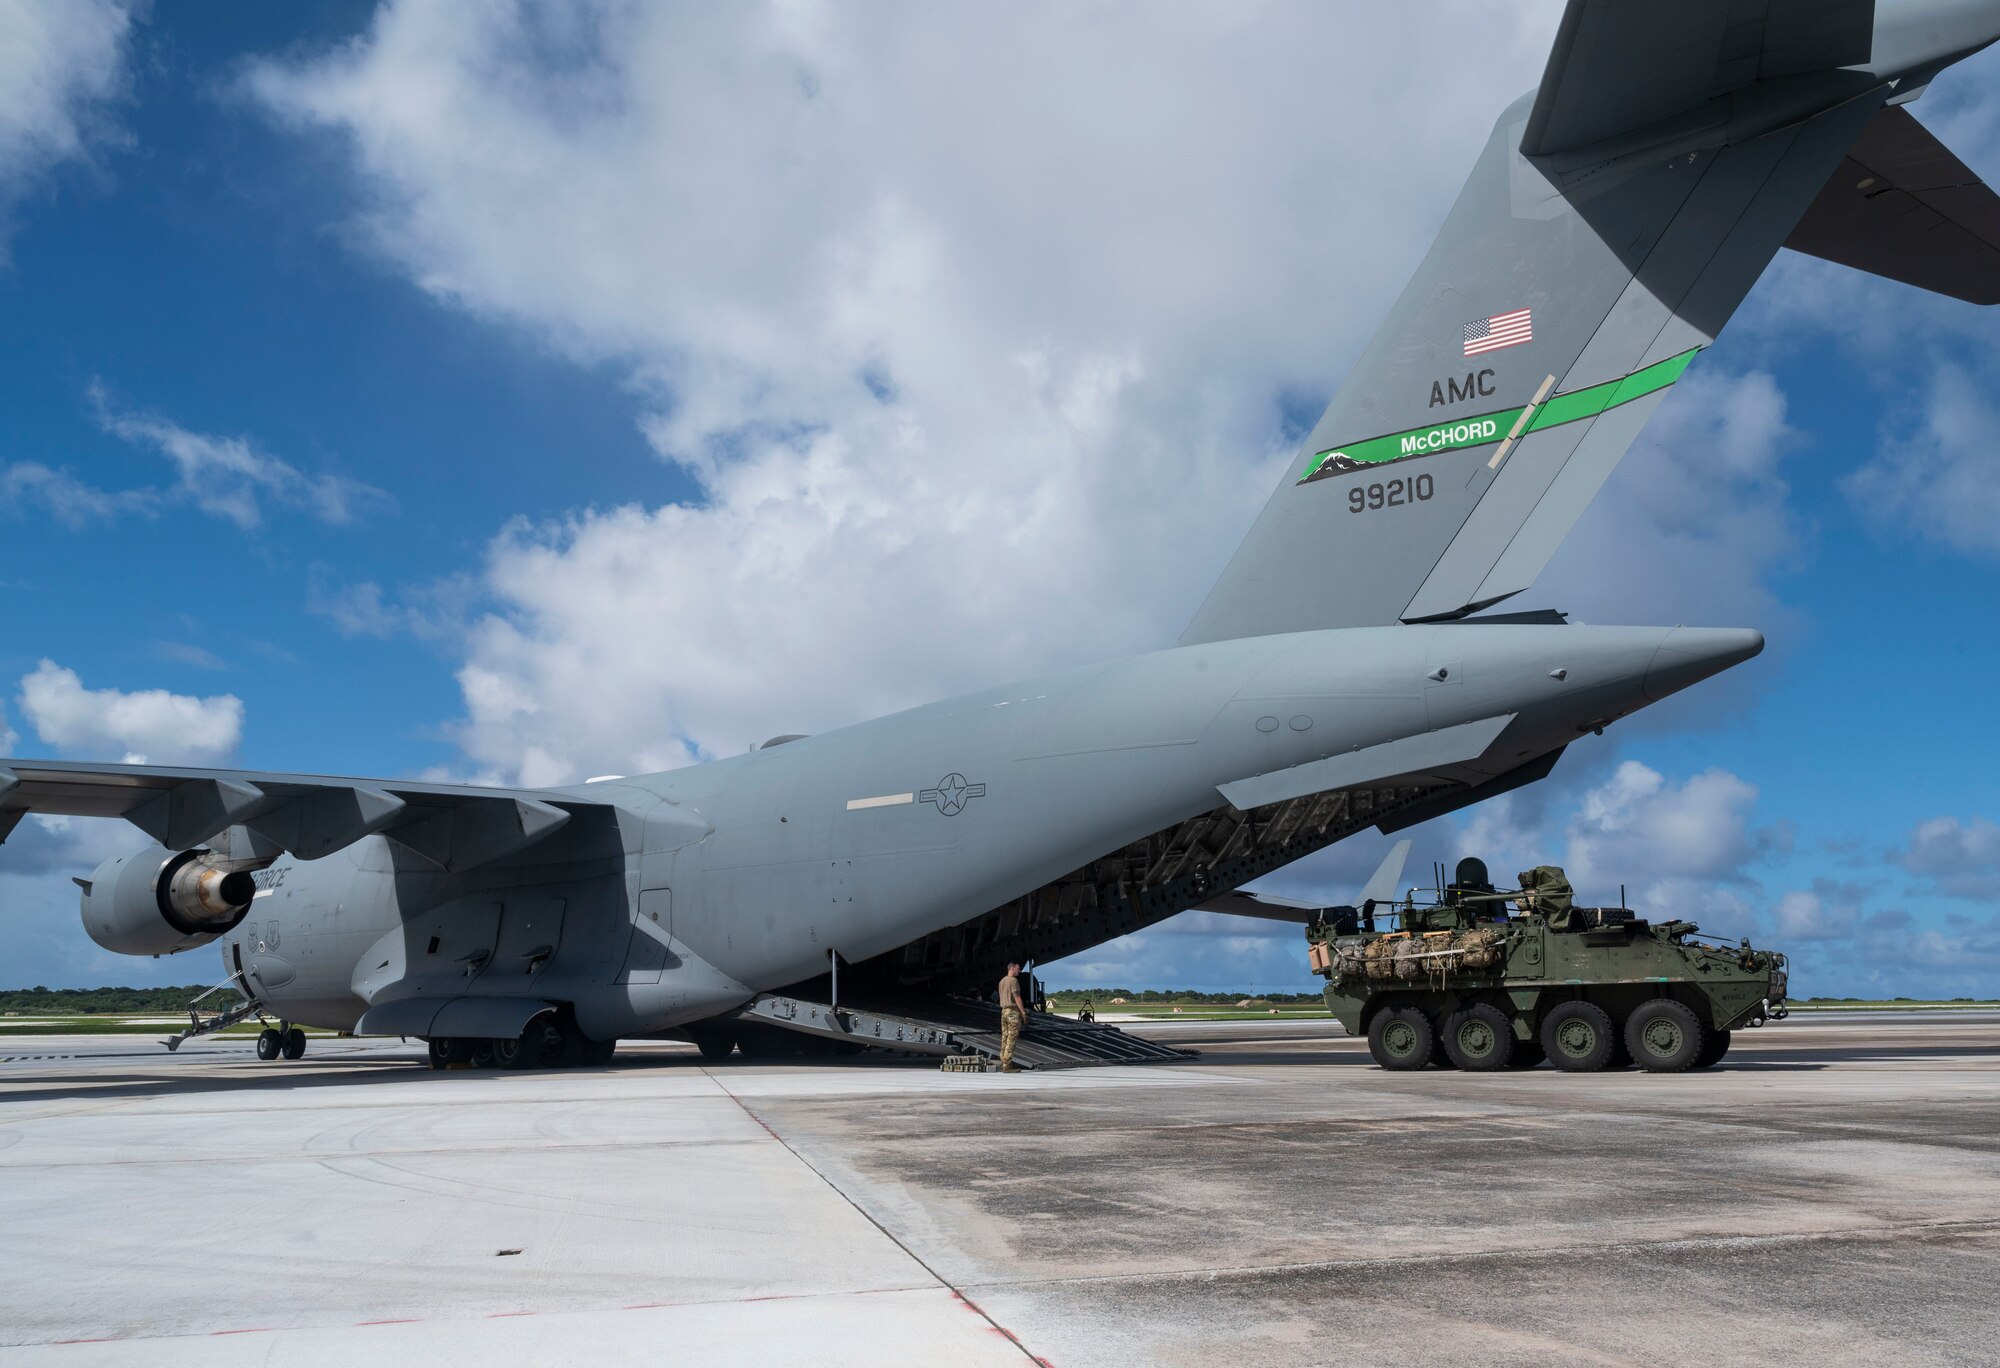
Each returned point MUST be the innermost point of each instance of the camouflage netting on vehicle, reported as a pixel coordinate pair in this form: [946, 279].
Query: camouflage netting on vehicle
[1545, 889]
[1409, 958]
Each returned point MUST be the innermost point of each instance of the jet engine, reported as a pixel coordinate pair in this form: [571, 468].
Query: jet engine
[157, 902]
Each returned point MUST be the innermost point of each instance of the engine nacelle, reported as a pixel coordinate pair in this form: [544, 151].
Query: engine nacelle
[155, 902]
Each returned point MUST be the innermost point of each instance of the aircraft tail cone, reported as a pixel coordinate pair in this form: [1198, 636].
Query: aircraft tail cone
[1691, 654]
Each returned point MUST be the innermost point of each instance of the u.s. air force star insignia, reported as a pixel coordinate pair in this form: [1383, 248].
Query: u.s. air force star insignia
[952, 794]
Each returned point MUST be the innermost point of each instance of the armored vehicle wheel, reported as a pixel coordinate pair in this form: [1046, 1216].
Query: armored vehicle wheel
[447, 1051]
[1527, 1054]
[269, 1043]
[715, 1044]
[1401, 1038]
[294, 1043]
[1712, 1053]
[1479, 1039]
[1621, 1053]
[1440, 1057]
[1664, 1036]
[1577, 1037]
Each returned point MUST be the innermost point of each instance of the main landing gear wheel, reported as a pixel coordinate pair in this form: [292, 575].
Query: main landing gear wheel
[1401, 1039]
[1665, 1036]
[1712, 1053]
[447, 1051]
[1577, 1037]
[294, 1043]
[715, 1044]
[597, 1053]
[269, 1043]
[1479, 1039]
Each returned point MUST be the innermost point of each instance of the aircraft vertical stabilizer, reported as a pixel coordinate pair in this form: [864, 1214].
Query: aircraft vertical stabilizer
[1615, 220]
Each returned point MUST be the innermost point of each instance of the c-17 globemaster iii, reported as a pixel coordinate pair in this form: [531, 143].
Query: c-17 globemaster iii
[1340, 674]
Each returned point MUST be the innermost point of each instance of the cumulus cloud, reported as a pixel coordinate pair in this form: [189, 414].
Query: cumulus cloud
[1958, 857]
[1827, 911]
[983, 339]
[1692, 523]
[1937, 481]
[227, 477]
[145, 726]
[60, 68]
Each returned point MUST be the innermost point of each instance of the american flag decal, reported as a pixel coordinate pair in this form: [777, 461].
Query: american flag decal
[1501, 330]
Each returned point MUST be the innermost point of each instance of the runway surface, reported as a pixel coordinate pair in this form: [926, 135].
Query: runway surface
[1831, 1194]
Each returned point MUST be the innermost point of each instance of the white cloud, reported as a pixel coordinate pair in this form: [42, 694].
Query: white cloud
[1938, 481]
[60, 65]
[1828, 911]
[227, 477]
[1959, 857]
[978, 332]
[71, 501]
[10, 739]
[146, 726]
[1694, 520]
[1678, 848]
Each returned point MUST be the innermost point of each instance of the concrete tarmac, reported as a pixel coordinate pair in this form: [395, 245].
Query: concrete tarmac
[1831, 1194]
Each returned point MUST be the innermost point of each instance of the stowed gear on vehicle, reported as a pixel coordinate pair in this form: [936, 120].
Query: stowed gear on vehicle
[1458, 982]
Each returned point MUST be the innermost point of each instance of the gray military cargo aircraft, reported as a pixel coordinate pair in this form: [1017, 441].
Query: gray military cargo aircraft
[1340, 674]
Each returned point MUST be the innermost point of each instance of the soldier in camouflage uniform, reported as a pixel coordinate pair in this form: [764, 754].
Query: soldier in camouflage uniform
[1013, 1015]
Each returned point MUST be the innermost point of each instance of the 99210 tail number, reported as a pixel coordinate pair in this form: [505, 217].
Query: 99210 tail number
[1389, 493]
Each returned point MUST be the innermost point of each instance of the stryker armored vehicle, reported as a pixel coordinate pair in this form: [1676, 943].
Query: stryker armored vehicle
[1458, 981]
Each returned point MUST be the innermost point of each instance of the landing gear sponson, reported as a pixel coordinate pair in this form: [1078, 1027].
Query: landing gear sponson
[548, 1042]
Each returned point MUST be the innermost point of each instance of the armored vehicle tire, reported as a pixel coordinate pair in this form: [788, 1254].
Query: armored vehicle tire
[1440, 1057]
[293, 1045]
[1527, 1054]
[1479, 1039]
[269, 1043]
[1401, 1038]
[1665, 1036]
[1712, 1053]
[1578, 1037]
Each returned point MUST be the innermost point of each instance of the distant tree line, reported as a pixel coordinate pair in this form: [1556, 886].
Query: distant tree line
[93, 1001]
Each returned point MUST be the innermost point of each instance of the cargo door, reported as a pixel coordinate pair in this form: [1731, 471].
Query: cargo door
[646, 953]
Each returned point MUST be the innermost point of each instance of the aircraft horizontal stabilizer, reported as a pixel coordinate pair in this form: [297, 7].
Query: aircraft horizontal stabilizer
[1425, 753]
[256, 815]
[1901, 205]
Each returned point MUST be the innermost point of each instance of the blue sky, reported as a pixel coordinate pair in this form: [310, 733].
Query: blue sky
[523, 397]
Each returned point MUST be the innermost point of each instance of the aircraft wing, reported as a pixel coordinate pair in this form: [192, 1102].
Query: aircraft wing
[1901, 205]
[453, 826]
[1619, 66]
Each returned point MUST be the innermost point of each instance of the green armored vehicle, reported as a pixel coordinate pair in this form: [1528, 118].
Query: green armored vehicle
[1460, 981]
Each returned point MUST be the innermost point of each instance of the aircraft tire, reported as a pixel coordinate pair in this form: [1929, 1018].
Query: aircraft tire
[479, 1054]
[1665, 1036]
[597, 1053]
[715, 1044]
[1401, 1039]
[446, 1051]
[1578, 1037]
[1712, 1053]
[1479, 1039]
[294, 1044]
[269, 1044]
